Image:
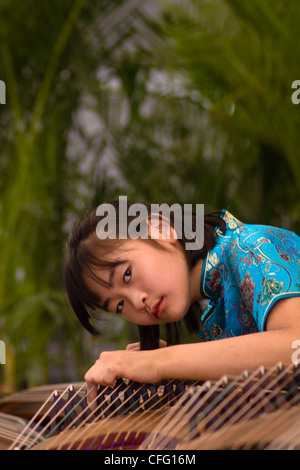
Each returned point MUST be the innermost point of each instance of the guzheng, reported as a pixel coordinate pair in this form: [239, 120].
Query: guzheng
[254, 410]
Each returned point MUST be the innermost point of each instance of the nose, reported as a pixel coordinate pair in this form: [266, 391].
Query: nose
[139, 300]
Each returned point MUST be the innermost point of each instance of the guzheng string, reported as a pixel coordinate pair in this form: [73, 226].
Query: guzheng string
[80, 436]
[275, 389]
[248, 399]
[113, 427]
[289, 438]
[60, 440]
[194, 415]
[166, 434]
[265, 430]
[10, 427]
[33, 425]
[180, 418]
[56, 416]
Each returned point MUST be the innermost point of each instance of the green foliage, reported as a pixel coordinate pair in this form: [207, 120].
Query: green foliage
[243, 58]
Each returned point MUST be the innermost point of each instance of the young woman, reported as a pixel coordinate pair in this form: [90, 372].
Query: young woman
[249, 274]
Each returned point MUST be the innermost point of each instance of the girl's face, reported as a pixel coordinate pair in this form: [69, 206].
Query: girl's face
[154, 286]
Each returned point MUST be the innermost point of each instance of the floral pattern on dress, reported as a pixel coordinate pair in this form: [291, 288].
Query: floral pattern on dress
[247, 286]
[270, 287]
[215, 279]
[215, 331]
[245, 318]
[213, 260]
[285, 256]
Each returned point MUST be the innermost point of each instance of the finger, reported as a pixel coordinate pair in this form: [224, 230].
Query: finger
[92, 395]
[133, 347]
[101, 375]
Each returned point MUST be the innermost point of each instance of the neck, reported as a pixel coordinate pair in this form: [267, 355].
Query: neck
[195, 278]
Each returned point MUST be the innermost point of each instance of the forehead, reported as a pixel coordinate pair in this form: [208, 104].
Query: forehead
[101, 267]
[100, 281]
[101, 275]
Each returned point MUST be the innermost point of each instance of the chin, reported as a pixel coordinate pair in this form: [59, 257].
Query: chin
[179, 315]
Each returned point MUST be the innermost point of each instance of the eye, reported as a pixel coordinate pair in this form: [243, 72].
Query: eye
[126, 279]
[120, 306]
[127, 276]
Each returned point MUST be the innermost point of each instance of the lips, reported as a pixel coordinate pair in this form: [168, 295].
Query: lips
[157, 309]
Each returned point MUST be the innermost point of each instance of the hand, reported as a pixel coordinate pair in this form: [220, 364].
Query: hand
[137, 346]
[139, 366]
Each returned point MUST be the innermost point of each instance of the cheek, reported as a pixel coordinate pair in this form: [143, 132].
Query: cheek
[139, 319]
[178, 277]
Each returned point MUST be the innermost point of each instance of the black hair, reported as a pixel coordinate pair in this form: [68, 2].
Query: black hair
[85, 251]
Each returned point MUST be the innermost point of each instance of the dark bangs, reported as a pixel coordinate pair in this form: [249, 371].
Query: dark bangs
[81, 260]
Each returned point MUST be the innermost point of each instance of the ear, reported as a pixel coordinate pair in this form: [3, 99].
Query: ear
[160, 228]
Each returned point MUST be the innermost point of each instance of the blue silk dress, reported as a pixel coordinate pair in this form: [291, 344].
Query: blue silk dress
[247, 271]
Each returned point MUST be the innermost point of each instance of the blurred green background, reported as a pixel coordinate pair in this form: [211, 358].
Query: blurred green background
[162, 101]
